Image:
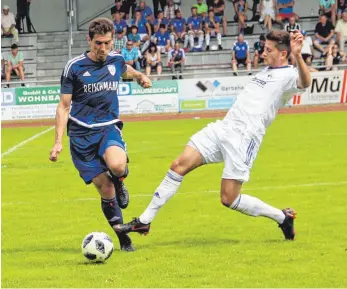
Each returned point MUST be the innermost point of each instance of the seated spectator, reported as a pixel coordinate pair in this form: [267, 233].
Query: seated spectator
[118, 7]
[259, 47]
[334, 57]
[134, 36]
[241, 8]
[341, 29]
[241, 55]
[201, 8]
[285, 10]
[178, 30]
[341, 7]
[146, 11]
[153, 60]
[212, 28]
[195, 29]
[160, 20]
[162, 39]
[120, 24]
[127, 6]
[131, 55]
[176, 60]
[328, 7]
[306, 51]
[267, 13]
[15, 64]
[218, 8]
[169, 10]
[120, 41]
[144, 29]
[324, 34]
[156, 6]
[8, 24]
[291, 26]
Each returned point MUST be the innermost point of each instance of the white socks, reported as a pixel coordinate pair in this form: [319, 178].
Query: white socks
[207, 38]
[219, 39]
[167, 188]
[252, 206]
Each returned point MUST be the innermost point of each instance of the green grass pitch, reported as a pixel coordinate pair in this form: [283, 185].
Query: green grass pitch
[194, 241]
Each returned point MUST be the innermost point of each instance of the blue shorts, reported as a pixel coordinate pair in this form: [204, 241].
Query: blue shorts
[87, 151]
[219, 19]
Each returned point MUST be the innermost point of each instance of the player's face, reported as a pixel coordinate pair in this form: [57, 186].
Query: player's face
[101, 46]
[272, 56]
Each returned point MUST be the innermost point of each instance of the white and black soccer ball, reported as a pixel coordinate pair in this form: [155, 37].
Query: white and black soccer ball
[97, 247]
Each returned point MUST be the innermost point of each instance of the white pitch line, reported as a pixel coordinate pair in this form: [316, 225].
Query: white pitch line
[196, 192]
[35, 136]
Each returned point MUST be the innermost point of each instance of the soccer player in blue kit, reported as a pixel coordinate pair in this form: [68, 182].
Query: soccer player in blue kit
[89, 108]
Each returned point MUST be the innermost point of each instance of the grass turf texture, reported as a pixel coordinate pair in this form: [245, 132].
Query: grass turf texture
[194, 241]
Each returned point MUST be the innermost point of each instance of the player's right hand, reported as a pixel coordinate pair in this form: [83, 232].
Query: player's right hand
[55, 151]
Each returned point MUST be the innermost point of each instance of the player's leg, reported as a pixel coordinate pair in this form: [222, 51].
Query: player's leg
[191, 38]
[207, 39]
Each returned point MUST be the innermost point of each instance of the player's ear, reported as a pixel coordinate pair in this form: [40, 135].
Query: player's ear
[88, 39]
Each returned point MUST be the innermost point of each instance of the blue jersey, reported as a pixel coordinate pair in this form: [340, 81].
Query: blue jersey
[147, 11]
[209, 23]
[178, 24]
[141, 25]
[195, 22]
[94, 89]
[164, 21]
[286, 10]
[120, 26]
[176, 55]
[134, 37]
[241, 49]
[162, 38]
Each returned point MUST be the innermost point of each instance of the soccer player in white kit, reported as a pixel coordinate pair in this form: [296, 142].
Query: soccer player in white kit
[236, 139]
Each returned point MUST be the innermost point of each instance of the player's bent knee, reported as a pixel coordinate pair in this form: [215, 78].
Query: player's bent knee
[117, 168]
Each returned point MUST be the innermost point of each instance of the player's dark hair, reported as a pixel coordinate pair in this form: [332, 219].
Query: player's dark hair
[100, 26]
[282, 40]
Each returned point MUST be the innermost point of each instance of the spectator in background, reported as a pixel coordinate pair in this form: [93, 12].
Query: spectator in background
[334, 57]
[129, 5]
[8, 24]
[131, 55]
[178, 30]
[176, 60]
[285, 10]
[153, 60]
[195, 29]
[15, 64]
[146, 11]
[259, 47]
[324, 33]
[169, 10]
[144, 30]
[267, 13]
[341, 29]
[241, 55]
[218, 9]
[241, 8]
[23, 11]
[162, 39]
[134, 37]
[120, 41]
[341, 7]
[2, 67]
[212, 28]
[291, 26]
[201, 8]
[160, 20]
[328, 7]
[254, 10]
[118, 7]
[156, 6]
[306, 51]
[120, 24]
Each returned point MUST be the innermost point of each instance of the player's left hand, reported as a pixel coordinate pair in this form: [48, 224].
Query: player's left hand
[296, 42]
[144, 81]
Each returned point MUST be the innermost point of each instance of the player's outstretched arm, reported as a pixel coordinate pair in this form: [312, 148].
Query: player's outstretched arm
[61, 119]
[296, 43]
[141, 79]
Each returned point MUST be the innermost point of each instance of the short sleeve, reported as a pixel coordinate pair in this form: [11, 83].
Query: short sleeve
[67, 79]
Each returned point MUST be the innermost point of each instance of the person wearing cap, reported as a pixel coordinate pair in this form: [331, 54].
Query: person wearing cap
[259, 47]
[119, 41]
[201, 8]
[162, 39]
[8, 24]
[341, 29]
[15, 64]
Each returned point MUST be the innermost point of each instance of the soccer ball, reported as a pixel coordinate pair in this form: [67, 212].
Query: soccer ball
[97, 247]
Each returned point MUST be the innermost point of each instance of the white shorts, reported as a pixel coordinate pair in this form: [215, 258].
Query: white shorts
[219, 142]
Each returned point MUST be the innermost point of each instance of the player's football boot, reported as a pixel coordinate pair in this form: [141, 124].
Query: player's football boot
[122, 194]
[133, 226]
[125, 242]
[287, 226]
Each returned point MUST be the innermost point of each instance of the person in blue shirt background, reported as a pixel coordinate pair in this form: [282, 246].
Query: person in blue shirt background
[212, 27]
[162, 39]
[176, 58]
[285, 11]
[195, 29]
[146, 11]
[144, 29]
[160, 20]
[241, 55]
[131, 55]
[178, 30]
[120, 24]
[89, 108]
[134, 36]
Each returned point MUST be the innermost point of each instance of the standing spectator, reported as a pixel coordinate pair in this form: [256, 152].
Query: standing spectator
[23, 11]
[144, 29]
[201, 8]
[324, 33]
[146, 11]
[118, 7]
[178, 30]
[341, 29]
[120, 41]
[131, 55]
[218, 8]
[120, 24]
[162, 39]
[291, 26]
[156, 6]
[8, 24]
[212, 28]
[134, 37]
[259, 47]
[153, 60]
[176, 60]
[169, 10]
[15, 64]
[306, 51]
[328, 7]
[241, 55]
[241, 8]
[285, 10]
[195, 29]
[334, 57]
[341, 7]
[129, 6]
[267, 13]
[160, 20]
